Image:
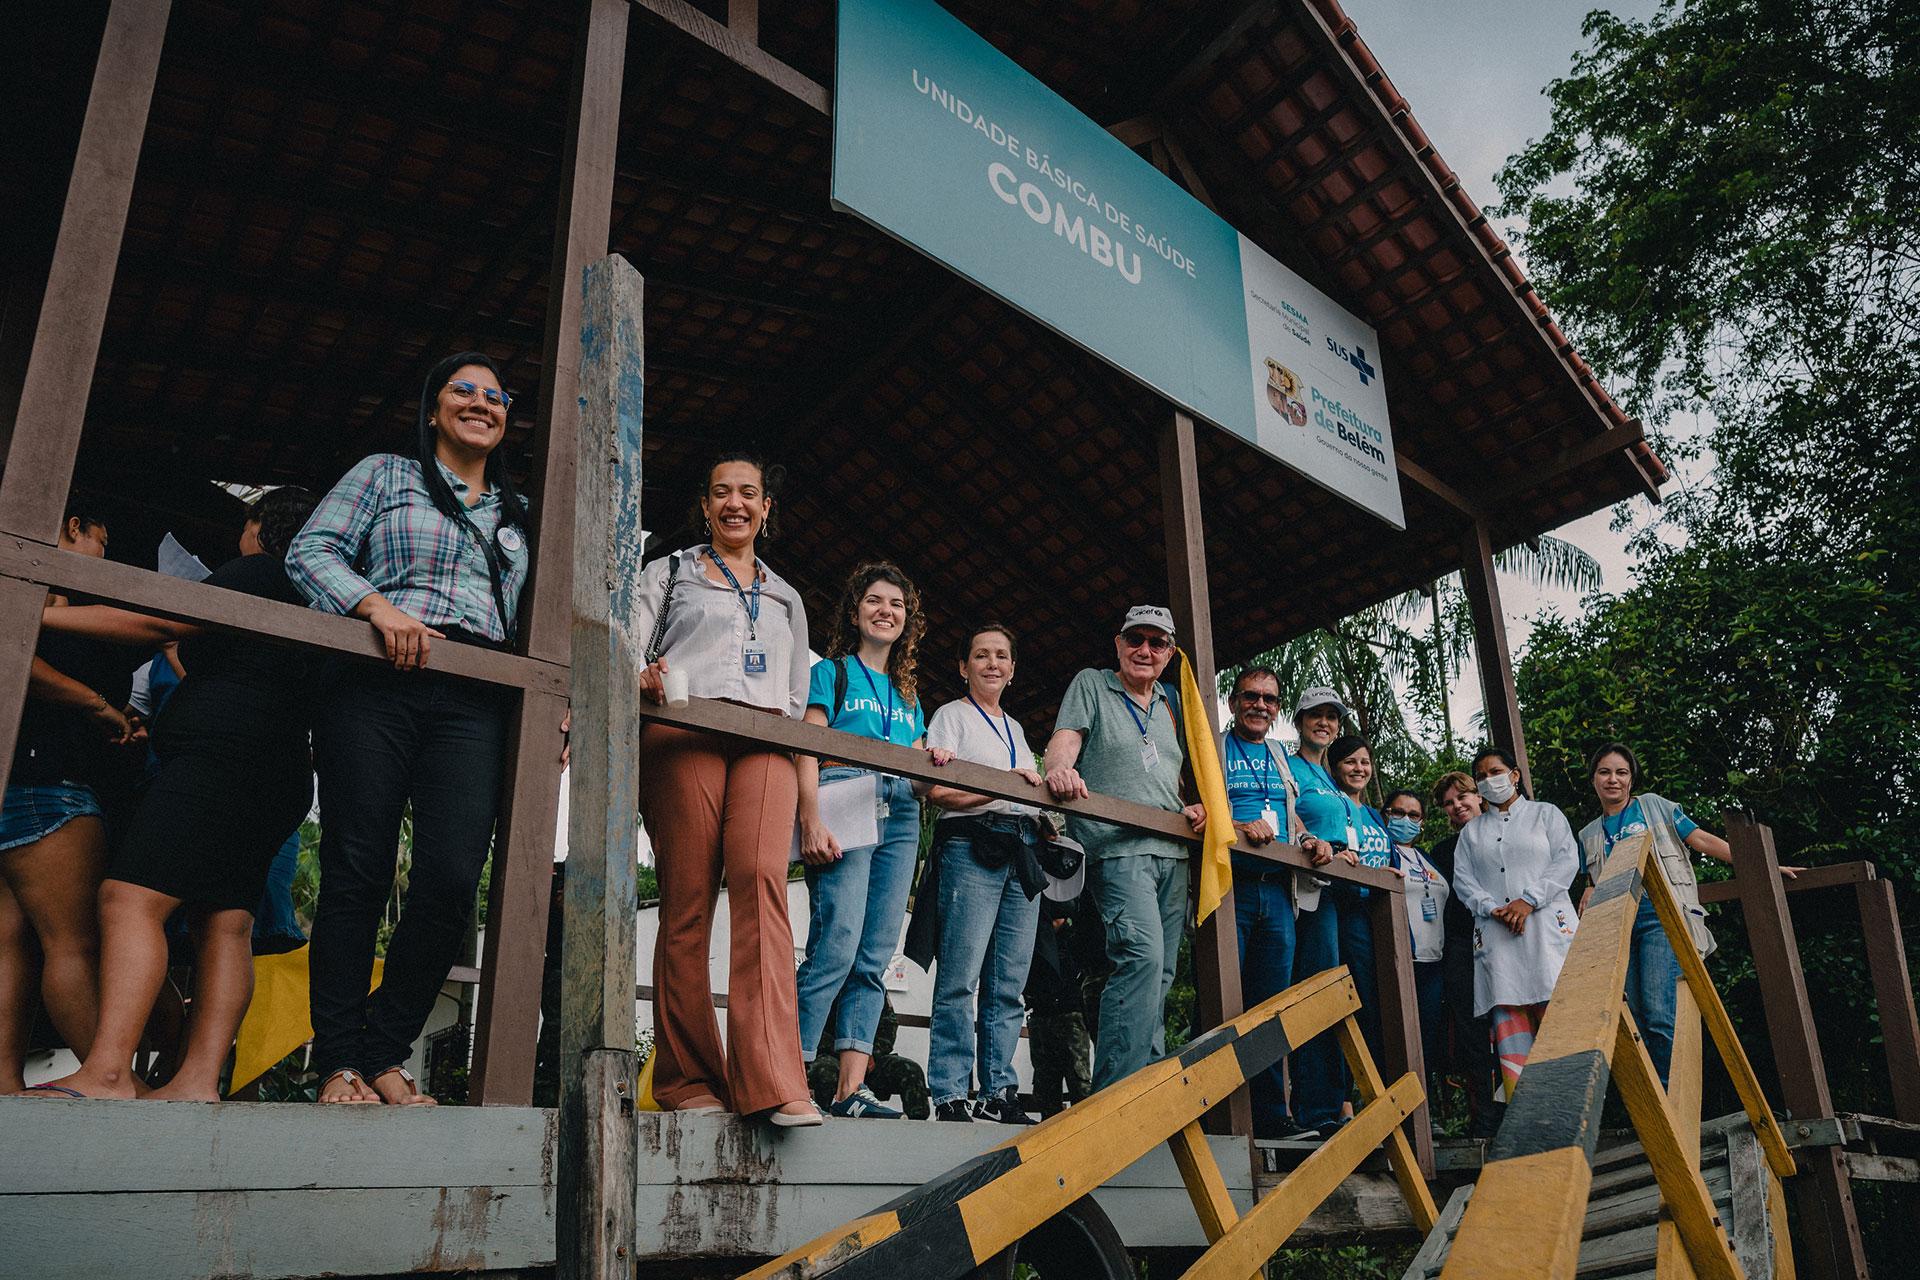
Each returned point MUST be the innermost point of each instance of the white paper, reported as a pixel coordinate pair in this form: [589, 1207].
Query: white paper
[177, 562]
[850, 808]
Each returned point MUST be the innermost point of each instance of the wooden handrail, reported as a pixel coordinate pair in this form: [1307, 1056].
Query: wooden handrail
[747, 725]
[1828, 877]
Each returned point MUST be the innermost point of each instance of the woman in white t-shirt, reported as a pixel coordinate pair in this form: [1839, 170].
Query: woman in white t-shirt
[987, 909]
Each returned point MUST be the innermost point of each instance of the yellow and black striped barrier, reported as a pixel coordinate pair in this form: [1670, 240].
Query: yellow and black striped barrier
[970, 1214]
[1529, 1205]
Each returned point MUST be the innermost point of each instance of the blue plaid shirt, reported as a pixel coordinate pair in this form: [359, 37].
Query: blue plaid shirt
[378, 530]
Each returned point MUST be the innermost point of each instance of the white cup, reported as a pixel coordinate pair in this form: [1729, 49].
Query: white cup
[675, 681]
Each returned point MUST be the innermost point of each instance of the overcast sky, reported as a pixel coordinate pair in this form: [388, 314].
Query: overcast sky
[1474, 72]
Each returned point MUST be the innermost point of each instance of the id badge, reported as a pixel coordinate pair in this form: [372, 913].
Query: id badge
[1149, 755]
[754, 658]
[1272, 819]
[1429, 909]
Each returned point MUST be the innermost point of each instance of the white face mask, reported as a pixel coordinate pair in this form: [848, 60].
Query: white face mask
[1497, 788]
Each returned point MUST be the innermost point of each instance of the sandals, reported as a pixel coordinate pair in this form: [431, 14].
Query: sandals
[414, 1097]
[53, 1091]
[352, 1077]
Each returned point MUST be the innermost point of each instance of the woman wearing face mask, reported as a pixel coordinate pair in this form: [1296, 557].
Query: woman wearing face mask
[1318, 1074]
[714, 806]
[987, 913]
[1512, 869]
[1653, 969]
[867, 685]
[427, 547]
[1426, 903]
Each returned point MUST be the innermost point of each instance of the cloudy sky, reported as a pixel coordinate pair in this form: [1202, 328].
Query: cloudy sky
[1474, 72]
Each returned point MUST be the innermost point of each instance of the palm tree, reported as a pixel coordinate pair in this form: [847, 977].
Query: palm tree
[1375, 654]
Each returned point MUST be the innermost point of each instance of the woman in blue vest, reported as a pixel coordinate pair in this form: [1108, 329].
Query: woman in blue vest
[858, 896]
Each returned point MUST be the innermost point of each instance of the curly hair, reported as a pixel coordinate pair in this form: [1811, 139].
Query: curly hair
[282, 514]
[902, 661]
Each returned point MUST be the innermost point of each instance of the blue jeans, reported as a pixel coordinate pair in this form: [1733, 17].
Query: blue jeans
[987, 924]
[1653, 972]
[1143, 904]
[855, 907]
[1338, 932]
[1263, 916]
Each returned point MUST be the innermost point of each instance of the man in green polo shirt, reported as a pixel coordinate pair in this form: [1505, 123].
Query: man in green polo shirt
[1118, 734]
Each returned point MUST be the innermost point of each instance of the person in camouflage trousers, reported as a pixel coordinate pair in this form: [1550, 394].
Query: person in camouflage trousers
[1057, 1037]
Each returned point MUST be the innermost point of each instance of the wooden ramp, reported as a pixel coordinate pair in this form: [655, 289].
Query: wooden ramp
[1620, 1237]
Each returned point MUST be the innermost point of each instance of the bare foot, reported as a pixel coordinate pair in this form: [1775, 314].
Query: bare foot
[396, 1087]
[177, 1090]
[345, 1088]
[114, 1084]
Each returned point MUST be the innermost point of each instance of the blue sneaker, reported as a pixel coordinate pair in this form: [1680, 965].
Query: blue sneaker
[862, 1105]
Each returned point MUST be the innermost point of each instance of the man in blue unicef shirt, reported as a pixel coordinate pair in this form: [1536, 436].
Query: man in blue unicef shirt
[1260, 789]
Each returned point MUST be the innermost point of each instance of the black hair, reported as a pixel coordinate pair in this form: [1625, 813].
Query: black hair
[1622, 750]
[1501, 753]
[1247, 672]
[1342, 747]
[1403, 791]
[975, 632]
[772, 477]
[513, 508]
[281, 514]
[85, 514]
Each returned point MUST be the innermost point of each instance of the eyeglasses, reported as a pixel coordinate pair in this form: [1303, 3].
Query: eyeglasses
[465, 391]
[1150, 639]
[1264, 699]
[1406, 813]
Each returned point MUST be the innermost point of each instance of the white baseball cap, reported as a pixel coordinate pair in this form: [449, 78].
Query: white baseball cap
[1321, 696]
[1148, 615]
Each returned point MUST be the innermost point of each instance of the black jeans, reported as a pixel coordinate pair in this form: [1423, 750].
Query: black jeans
[1472, 1037]
[383, 738]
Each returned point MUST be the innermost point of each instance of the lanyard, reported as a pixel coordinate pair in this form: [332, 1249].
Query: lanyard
[873, 688]
[1134, 710]
[1611, 833]
[752, 607]
[1266, 792]
[1012, 759]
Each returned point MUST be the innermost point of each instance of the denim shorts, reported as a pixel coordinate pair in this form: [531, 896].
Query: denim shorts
[32, 813]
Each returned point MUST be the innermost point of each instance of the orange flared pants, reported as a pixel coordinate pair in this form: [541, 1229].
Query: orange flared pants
[714, 806]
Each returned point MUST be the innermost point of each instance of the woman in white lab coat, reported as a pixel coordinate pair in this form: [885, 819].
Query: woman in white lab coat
[1511, 870]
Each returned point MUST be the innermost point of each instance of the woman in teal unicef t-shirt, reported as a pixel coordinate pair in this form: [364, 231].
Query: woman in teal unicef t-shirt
[858, 897]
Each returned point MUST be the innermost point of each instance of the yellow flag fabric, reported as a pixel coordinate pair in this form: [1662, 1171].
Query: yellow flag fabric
[1216, 865]
[277, 1020]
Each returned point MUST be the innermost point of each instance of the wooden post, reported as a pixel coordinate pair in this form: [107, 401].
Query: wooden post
[1216, 945]
[53, 394]
[508, 1019]
[1401, 1052]
[1683, 1101]
[599, 1137]
[1490, 645]
[1892, 993]
[1831, 1230]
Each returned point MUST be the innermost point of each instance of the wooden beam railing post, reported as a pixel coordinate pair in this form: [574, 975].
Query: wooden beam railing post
[1892, 994]
[1216, 945]
[1490, 644]
[599, 1134]
[1830, 1228]
[52, 407]
[508, 1020]
[1401, 1052]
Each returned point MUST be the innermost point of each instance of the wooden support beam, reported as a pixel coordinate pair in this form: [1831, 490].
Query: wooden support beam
[1828, 877]
[1676, 1162]
[1830, 1230]
[1436, 486]
[1892, 993]
[1401, 1052]
[1586, 453]
[744, 53]
[1205, 1185]
[743, 19]
[1490, 644]
[1410, 1172]
[1216, 946]
[599, 1139]
[1683, 1100]
[52, 405]
[508, 1018]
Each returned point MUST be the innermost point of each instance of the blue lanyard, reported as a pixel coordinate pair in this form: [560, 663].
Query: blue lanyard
[1266, 793]
[875, 690]
[1012, 758]
[1612, 833]
[1134, 711]
[751, 606]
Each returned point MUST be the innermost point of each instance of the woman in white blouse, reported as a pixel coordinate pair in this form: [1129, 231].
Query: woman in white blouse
[1511, 870]
[738, 632]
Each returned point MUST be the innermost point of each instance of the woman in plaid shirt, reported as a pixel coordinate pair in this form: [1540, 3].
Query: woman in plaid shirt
[429, 547]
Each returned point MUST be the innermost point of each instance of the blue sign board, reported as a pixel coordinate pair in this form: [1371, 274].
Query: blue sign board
[941, 140]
